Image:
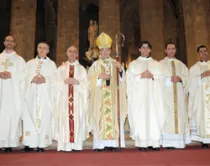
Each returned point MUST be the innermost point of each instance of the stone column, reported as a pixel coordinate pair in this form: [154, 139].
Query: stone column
[152, 25]
[109, 19]
[68, 28]
[197, 27]
[23, 26]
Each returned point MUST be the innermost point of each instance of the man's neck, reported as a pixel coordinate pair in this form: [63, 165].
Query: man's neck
[171, 57]
[42, 57]
[8, 51]
[145, 56]
[204, 60]
[71, 61]
[104, 58]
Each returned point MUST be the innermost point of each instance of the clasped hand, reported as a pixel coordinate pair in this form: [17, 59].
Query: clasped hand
[205, 74]
[175, 79]
[39, 79]
[104, 76]
[5, 75]
[147, 74]
[119, 66]
[71, 81]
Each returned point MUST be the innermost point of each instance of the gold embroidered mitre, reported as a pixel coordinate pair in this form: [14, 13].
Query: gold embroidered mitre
[103, 41]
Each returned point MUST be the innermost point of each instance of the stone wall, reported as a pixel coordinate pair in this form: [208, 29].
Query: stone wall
[196, 20]
[152, 25]
[109, 19]
[23, 20]
[68, 28]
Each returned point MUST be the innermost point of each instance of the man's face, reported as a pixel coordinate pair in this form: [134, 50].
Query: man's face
[9, 43]
[72, 53]
[203, 54]
[42, 49]
[105, 53]
[144, 50]
[170, 50]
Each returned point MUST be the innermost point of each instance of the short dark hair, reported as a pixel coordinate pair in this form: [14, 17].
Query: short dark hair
[43, 42]
[201, 46]
[170, 42]
[145, 42]
[10, 36]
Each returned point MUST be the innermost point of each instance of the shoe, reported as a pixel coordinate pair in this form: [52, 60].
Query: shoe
[110, 149]
[27, 149]
[156, 149]
[98, 150]
[40, 149]
[205, 146]
[8, 149]
[143, 149]
[170, 148]
[76, 150]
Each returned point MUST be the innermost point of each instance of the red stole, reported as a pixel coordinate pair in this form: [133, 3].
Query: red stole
[71, 105]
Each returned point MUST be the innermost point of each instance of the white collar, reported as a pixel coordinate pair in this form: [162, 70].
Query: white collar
[74, 63]
[203, 62]
[41, 59]
[144, 58]
[9, 54]
[107, 60]
[170, 59]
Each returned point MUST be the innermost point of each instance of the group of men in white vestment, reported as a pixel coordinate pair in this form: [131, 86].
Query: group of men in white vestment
[166, 104]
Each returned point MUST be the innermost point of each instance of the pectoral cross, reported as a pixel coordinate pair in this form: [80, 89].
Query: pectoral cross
[6, 64]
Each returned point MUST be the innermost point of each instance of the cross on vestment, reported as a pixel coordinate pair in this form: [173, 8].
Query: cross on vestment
[6, 64]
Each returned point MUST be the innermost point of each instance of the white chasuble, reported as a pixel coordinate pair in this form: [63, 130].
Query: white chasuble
[71, 107]
[11, 99]
[176, 131]
[145, 102]
[37, 121]
[199, 102]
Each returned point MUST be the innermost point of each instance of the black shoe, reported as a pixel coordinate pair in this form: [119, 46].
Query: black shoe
[114, 149]
[8, 149]
[110, 149]
[27, 149]
[205, 146]
[98, 150]
[169, 148]
[156, 149]
[76, 150]
[143, 149]
[40, 149]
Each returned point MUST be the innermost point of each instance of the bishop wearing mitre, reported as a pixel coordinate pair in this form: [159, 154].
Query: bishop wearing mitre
[106, 106]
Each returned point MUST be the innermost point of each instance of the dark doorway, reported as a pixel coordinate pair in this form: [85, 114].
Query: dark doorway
[46, 25]
[5, 15]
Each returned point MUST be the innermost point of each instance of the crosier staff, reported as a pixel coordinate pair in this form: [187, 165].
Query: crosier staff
[118, 91]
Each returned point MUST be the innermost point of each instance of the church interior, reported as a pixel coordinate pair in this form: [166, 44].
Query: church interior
[62, 23]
